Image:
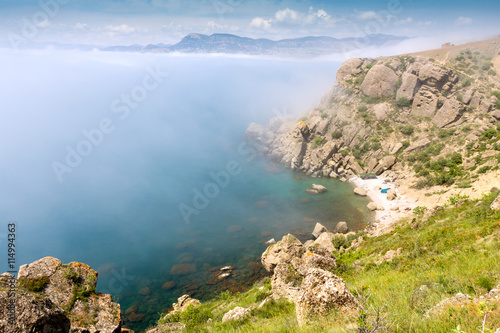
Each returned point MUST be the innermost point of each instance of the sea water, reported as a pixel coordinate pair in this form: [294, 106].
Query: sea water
[137, 165]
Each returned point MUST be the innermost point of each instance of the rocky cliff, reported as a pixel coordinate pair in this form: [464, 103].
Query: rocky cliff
[434, 115]
[55, 297]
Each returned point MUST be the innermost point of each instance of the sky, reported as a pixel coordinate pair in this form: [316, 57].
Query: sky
[126, 22]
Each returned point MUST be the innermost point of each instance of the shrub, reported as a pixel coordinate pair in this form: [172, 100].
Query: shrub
[336, 135]
[496, 93]
[488, 134]
[317, 141]
[466, 82]
[362, 108]
[324, 115]
[492, 72]
[34, 284]
[369, 66]
[403, 102]
[485, 282]
[487, 65]
[407, 129]
[484, 169]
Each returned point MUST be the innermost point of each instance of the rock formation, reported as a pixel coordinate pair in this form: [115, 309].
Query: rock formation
[52, 297]
[303, 276]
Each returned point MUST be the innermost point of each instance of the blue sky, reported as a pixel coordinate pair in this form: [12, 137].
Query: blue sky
[125, 22]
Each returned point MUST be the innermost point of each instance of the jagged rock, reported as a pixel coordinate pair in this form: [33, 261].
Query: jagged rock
[237, 313]
[33, 314]
[324, 241]
[382, 110]
[450, 112]
[495, 205]
[360, 191]
[380, 82]
[341, 228]
[372, 206]
[283, 251]
[42, 267]
[347, 68]
[183, 302]
[420, 144]
[486, 105]
[496, 114]
[410, 85]
[384, 164]
[397, 148]
[391, 194]
[318, 230]
[425, 103]
[42, 309]
[435, 76]
[468, 96]
[308, 242]
[321, 292]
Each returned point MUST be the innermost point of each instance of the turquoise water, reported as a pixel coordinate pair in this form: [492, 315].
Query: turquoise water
[118, 209]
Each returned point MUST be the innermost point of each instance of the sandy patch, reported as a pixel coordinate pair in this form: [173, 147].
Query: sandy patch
[385, 219]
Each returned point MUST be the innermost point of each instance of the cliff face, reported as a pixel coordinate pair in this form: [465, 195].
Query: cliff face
[52, 297]
[431, 117]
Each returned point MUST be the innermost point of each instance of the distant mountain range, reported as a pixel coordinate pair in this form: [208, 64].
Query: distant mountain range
[232, 44]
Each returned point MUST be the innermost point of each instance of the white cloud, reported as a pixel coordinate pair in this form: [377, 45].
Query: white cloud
[81, 26]
[124, 28]
[463, 21]
[408, 20]
[287, 17]
[260, 23]
[368, 15]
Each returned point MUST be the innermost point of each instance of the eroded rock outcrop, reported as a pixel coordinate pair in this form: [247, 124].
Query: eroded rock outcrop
[53, 297]
[303, 275]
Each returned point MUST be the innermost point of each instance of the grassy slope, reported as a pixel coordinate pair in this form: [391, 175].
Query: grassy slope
[455, 250]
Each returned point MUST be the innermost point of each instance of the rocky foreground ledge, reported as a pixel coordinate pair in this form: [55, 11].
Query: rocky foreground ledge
[55, 297]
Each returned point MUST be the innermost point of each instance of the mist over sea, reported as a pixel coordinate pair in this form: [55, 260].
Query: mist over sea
[99, 150]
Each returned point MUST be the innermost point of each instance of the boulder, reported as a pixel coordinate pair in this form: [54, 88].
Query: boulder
[347, 69]
[360, 191]
[52, 307]
[380, 82]
[435, 76]
[496, 114]
[318, 230]
[468, 96]
[322, 292]
[382, 110]
[372, 206]
[168, 327]
[425, 103]
[384, 164]
[324, 241]
[397, 148]
[495, 205]
[183, 302]
[450, 112]
[237, 313]
[283, 251]
[409, 86]
[391, 194]
[341, 228]
[319, 188]
[420, 144]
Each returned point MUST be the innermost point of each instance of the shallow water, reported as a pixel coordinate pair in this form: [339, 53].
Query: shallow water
[118, 209]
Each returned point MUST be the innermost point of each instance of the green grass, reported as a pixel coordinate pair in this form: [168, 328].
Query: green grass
[455, 250]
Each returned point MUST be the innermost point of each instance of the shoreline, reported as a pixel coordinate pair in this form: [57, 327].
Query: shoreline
[388, 211]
